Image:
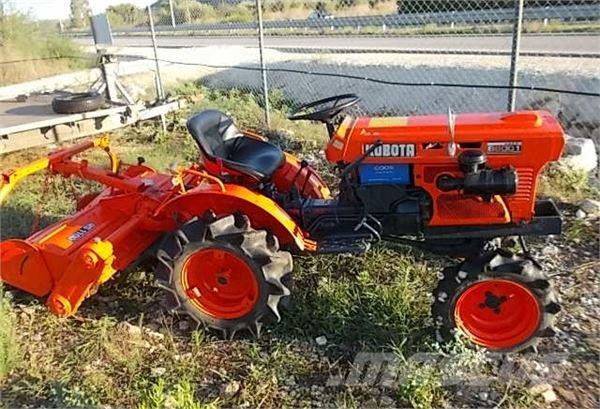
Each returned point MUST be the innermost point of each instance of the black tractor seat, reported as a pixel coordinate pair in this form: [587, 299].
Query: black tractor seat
[219, 139]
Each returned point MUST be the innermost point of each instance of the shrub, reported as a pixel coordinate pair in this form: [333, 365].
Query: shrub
[30, 43]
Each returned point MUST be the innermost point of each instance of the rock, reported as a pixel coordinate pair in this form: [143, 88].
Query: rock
[183, 325]
[579, 154]
[549, 396]
[231, 388]
[539, 388]
[156, 335]
[132, 330]
[567, 395]
[550, 250]
[590, 206]
[321, 341]
[483, 395]
[387, 401]
[159, 371]
[580, 214]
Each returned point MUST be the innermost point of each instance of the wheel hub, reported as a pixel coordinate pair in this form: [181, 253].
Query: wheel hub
[498, 313]
[220, 283]
[493, 301]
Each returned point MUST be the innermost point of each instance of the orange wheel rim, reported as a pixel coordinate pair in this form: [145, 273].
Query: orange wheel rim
[498, 313]
[220, 283]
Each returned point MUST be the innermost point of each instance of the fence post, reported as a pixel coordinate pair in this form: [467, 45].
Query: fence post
[160, 92]
[514, 59]
[172, 13]
[262, 63]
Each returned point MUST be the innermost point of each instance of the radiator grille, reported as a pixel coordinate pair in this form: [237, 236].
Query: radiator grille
[524, 184]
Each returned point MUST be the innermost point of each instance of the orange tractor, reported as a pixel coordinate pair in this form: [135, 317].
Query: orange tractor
[222, 230]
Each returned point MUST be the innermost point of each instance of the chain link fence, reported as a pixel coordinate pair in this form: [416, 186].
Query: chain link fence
[401, 57]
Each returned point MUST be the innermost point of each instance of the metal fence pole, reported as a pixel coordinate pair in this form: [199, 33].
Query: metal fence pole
[172, 13]
[516, 49]
[262, 63]
[160, 92]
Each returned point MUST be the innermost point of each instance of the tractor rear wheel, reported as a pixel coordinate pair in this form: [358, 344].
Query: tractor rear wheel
[224, 274]
[498, 300]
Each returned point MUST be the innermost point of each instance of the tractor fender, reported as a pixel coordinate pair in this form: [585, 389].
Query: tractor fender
[227, 199]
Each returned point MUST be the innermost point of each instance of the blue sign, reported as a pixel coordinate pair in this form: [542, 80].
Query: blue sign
[383, 174]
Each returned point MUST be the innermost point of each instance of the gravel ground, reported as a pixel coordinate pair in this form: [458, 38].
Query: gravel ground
[575, 269]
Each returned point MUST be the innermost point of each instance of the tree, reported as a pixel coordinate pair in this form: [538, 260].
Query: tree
[125, 14]
[80, 10]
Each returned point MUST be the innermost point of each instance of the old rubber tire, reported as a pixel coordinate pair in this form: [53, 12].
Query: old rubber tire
[522, 311]
[77, 102]
[224, 274]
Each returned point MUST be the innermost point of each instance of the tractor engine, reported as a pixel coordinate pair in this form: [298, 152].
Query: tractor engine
[477, 179]
[471, 178]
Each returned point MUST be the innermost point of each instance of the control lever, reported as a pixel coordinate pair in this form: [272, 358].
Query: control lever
[451, 131]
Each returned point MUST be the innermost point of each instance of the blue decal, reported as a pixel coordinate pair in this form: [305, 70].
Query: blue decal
[378, 174]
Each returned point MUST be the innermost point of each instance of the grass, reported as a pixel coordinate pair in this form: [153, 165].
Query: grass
[567, 185]
[40, 51]
[9, 349]
[122, 351]
[582, 230]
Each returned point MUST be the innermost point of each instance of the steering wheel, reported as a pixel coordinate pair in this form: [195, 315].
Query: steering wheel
[324, 109]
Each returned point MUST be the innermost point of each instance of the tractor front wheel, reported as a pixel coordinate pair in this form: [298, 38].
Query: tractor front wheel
[224, 274]
[498, 300]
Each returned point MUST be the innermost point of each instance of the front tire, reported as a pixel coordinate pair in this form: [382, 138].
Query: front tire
[498, 300]
[224, 274]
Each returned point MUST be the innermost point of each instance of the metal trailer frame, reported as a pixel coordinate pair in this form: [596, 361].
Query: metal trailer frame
[73, 126]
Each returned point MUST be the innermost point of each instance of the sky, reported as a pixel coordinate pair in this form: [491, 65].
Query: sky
[59, 9]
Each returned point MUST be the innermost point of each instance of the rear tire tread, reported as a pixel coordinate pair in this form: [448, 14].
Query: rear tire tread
[235, 232]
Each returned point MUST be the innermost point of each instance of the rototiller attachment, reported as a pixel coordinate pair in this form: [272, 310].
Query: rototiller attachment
[111, 230]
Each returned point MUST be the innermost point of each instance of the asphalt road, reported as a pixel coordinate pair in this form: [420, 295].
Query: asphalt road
[579, 44]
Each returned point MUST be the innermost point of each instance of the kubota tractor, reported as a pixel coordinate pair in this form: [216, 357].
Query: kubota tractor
[223, 230]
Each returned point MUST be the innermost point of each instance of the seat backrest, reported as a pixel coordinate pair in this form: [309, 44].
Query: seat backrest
[210, 129]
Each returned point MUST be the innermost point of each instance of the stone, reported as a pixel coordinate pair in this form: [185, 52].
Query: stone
[549, 396]
[539, 388]
[590, 206]
[183, 325]
[567, 395]
[580, 214]
[132, 330]
[550, 250]
[155, 335]
[321, 341]
[231, 388]
[579, 154]
[158, 371]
